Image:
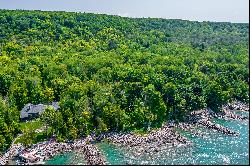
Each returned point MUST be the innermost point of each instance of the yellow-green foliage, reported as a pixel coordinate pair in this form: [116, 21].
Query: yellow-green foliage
[114, 73]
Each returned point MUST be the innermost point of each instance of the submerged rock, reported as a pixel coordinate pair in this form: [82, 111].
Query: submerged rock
[218, 127]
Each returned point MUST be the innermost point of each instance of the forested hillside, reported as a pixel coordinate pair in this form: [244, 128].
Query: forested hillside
[114, 73]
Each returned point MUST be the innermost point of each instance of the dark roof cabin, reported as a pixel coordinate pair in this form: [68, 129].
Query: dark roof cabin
[31, 111]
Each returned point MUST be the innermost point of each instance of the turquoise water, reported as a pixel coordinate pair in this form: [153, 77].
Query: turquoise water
[60, 159]
[66, 159]
[213, 148]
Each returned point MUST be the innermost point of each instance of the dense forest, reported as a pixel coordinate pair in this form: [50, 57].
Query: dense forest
[112, 73]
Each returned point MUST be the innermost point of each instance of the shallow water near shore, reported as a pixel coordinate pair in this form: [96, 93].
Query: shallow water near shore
[66, 159]
[213, 148]
[59, 159]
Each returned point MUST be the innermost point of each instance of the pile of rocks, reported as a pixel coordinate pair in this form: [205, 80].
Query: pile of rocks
[237, 105]
[191, 128]
[218, 127]
[92, 155]
[228, 115]
[203, 117]
[12, 152]
[43, 151]
[225, 113]
[148, 143]
[40, 152]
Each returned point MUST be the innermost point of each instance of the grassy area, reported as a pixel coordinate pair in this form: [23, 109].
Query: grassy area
[32, 125]
[38, 138]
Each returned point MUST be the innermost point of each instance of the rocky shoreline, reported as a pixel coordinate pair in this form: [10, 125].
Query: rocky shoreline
[138, 145]
[92, 155]
[237, 105]
[204, 117]
[38, 153]
[13, 151]
[151, 142]
[166, 135]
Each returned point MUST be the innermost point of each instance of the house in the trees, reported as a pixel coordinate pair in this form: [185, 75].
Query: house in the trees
[31, 111]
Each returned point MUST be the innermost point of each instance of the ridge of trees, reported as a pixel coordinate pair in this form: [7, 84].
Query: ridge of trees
[114, 73]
